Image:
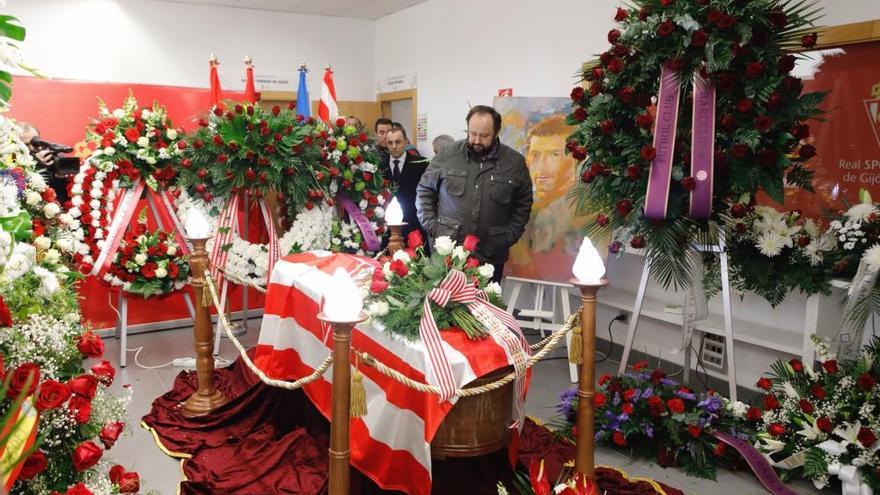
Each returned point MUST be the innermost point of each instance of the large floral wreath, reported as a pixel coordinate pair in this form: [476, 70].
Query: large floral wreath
[132, 144]
[741, 49]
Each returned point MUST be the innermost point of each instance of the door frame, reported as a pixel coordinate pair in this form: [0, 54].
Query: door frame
[385, 100]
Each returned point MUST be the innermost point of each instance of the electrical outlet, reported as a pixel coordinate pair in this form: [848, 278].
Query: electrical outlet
[622, 317]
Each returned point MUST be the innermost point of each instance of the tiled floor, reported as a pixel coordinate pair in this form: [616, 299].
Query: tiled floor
[136, 449]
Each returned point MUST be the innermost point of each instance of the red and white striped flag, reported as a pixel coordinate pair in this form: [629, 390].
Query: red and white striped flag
[327, 109]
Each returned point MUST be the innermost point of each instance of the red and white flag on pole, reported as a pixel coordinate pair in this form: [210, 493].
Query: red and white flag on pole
[250, 93]
[216, 92]
[327, 109]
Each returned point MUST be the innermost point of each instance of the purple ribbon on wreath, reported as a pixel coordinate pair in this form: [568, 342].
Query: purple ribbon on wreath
[355, 213]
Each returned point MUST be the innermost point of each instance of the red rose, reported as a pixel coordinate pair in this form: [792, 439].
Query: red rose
[675, 405]
[766, 158]
[830, 367]
[640, 365]
[24, 380]
[51, 395]
[104, 371]
[621, 15]
[399, 267]
[606, 126]
[110, 433]
[618, 438]
[628, 394]
[596, 74]
[626, 94]
[818, 392]
[633, 172]
[129, 482]
[866, 382]
[666, 3]
[85, 385]
[675, 64]
[800, 131]
[665, 28]
[599, 399]
[5, 314]
[777, 18]
[116, 473]
[796, 365]
[378, 286]
[645, 120]
[754, 69]
[637, 242]
[665, 457]
[648, 152]
[33, 465]
[688, 183]
[763, 123]
[806, 406]
[613, 36]
[719, 449]
[694, 431]
[776, 429]
[132, 134]
[699, 38]
[744, 105]
[771, 402]
[807, 151]
[579, 114]
[623, 207]
[173, 270]
[414, 239]
[740, 151]
[86, 455]
[866, 437]
[627, 408]
[90, 345]
[824, 424]
[602, 220]
[472, 262]
[656, 376]
[78, 489]
[470, 242]
[577, 94]
[604, 378]
[81, 409]
[809, 41]
[754, 414]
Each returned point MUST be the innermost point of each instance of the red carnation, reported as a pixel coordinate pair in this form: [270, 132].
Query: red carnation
[599, 399]
[771, 402]
[809, 41]
[648, 152]
[866, 437]
[754, 69]
[90, 345]
[85, 385]
[694, 431]
[86, 455]
[830, 366]
[104, 371]
[754, 414]
[675, 405]
[618, 438]
[51, 395]
[645, 120]
[110, 433]
[824, 424]
[132, 134]
[623, 207]
[818, 392]
[806, 406]
[621, 15]
[149, 270]
[807, 151]
[665, 28]
[25, 375]
[763, 123]
[470, 242]
[776, 429]
[866, 382]
[33, 465]
[699, 38]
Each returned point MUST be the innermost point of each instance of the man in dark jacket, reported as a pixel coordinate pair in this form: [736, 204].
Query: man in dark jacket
[478, 186]
[404, 170]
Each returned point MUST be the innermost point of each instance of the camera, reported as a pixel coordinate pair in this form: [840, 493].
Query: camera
[61, 166]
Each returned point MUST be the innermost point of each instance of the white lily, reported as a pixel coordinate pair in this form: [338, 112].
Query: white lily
[811, 431]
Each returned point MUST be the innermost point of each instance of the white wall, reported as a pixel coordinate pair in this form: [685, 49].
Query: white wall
[463, 51]
[169, 43]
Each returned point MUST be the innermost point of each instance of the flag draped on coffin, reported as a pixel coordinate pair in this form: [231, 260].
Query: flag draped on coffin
[327, 109]
[303, 105]
[391, 443]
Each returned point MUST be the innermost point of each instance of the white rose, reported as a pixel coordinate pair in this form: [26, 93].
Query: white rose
[172, 134]
[43, 242]
[494, 288]
[143, 141]
[444, 245]
[119, 113]
[402, 256]
[140, 259]
[486, 270]
[161, 273]
[172, 250]
[33, 198]
[377, 308]
[53, 256]
[386, 268]
[51, 209]
[459, 253]
[109, 151]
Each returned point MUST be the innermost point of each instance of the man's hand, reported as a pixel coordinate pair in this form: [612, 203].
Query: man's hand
[46, 157]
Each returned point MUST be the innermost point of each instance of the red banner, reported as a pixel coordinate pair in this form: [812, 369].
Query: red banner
[62, 109]
[848, 139]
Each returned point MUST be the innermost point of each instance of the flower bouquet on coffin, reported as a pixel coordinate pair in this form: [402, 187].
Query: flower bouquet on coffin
[823, 422]
[537, 483]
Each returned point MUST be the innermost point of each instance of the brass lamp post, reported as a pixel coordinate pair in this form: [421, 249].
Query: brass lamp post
[342, 311]
[588, 271]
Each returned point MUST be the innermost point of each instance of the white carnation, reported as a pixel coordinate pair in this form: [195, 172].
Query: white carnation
[53, 256]
[140, 259]
[770, 244]
[43, 242]
[51, 209]
[32, 198]
[161, 272]
[172, 250]
[109, 151]
[172, 134]
[143, 141]
[861, 212]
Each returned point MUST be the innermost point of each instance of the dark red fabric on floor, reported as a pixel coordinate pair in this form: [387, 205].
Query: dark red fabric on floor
[272, 441]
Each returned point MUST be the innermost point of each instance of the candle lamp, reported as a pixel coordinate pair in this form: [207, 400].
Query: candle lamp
[395, 223]
[343, 309]
[206, 398]
[589, 274]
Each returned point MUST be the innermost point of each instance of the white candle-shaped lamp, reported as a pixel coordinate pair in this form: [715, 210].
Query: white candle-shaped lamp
[588, 267]
[393, 214]
[197, 226]
[342, 300]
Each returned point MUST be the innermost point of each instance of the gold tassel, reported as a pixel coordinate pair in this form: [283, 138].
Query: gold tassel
[206, 296]
[358, 406]
[575, 348]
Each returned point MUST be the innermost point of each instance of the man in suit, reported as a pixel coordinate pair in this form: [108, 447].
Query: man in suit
[405, 171]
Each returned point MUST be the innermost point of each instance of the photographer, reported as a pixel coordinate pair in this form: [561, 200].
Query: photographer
[59, 168]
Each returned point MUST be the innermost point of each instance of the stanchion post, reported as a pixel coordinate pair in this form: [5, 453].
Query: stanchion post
[340, 473]
[206, 398]
[586, 414]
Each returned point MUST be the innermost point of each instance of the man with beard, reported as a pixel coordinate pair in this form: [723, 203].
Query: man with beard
[478, 186]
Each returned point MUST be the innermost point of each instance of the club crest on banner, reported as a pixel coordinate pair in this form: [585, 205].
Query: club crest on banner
[872, 106]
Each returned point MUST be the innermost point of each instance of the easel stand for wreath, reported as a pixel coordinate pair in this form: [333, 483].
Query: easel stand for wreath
[163, 213]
